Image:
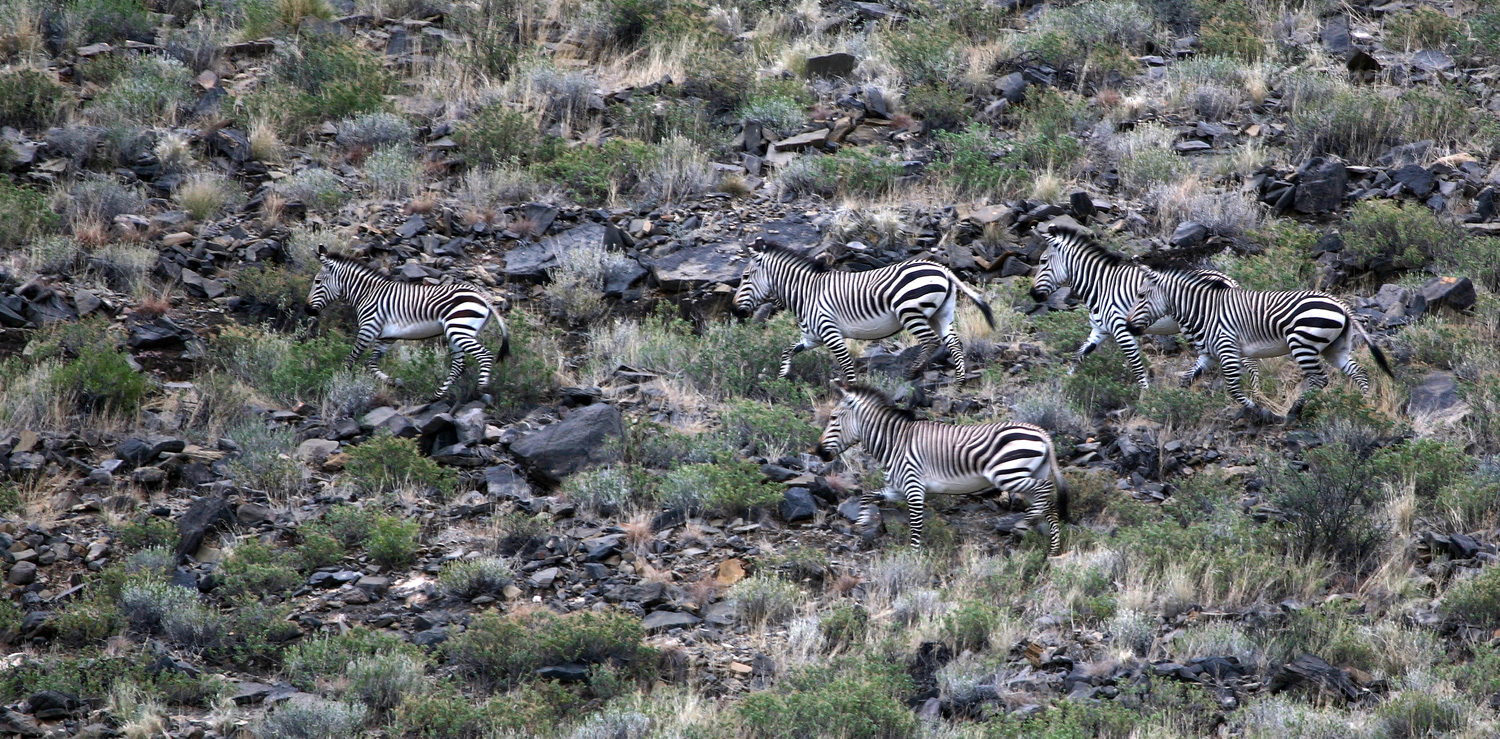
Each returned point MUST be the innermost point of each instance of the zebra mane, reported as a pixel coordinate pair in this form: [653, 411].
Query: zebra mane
[1207, 278]
[796, 257]
[1066, 235]
[882, 400]
[357, 267]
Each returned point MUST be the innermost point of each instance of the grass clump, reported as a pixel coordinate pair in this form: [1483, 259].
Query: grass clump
[287, 369]
[206, 196]
[382, 681]
[264, 460]
[471, 578]
[1389, 238]
[259, 570]
[314, 719]
[321, 79]
[507, 650]
[30, 98]
[311, 661]
[500, 135]
[386, 463]
[769, 430]
[393, 542]
[729, 488]
[151, 90]
[848, 699]
[1476, 600]
[27, 214]
[855, 172]
[761, 600]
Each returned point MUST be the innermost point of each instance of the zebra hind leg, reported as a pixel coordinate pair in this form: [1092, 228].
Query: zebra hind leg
[960, 361]
[867, 509]
[455, 369]
[1314, 378]
[373, 363]
[930, 344]
[916, 512]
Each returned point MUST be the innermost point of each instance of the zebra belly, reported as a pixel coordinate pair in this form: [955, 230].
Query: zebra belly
[1265, 349]
[878, 327]
[1164, 326]
[956, 485]
[418, 330]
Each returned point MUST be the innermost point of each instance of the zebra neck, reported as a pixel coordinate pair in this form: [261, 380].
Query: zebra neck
[796, 290]
[1192, 306]
[884, 434]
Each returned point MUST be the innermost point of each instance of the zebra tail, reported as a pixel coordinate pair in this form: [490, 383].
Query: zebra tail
[1063, 493]
[1375, 352]
[989, 315]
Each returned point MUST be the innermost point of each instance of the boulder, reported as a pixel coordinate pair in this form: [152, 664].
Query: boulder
[838, 64]
[1455, 293]
[659, 621]
[1335, 36]
[1189, 234]
[1438, 392]
[206, 514]
[503, 483]
[797, 504]
[1321, 187]
[696, 267]
[581, 440]
[1416, 179]
[1012, 87]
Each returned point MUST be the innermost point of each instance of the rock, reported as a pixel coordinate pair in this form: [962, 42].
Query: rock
[251, 514]
[1455, 293]
[230, 143]
[430, 637]
[1416, 179]
[1012, 87]
[849, 509]
[659, 621]
[14, 723]
[1321, 187]
[532, 261]
[581, 440]
[1335, 36]
[804, 141]
[601, 548]
[797, 504]
[137, 452]
[1313, 670]
[1438, 392]
[1189, 234]
[411, 227]
[206, 514]
[1081, 204]
[86, 302]
[1432, 61]
[1359, 61]
[838, 64]
[621, 275]
[51, 705]
[502, 482]
[544, 578]
[316, 451]
[250, 693]
[23, 573]
[201, 286]
[696, 267]
[161, 332]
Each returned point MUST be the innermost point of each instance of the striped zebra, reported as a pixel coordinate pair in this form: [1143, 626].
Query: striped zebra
[924, 458]
[1236, 325]
[832, 306]
[1107, 282]
[391, 311]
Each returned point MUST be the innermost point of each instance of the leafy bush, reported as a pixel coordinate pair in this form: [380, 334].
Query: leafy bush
[507, 650]
[1101, 385]
[854, 171]
[761, 600]
[1359, 124]
[320, 79]
[386, 463]
[348, 524]
[373, 130]
[940, 105]
[393, 172]
[847, 699]
[257, 569]
[92, 21]
[314, 719]
[729, 488]
[845, 626]
[30, 98]
[1285, 263]
[382, 681]
[770, 430]
[535, 708]
[149, 605]
[498, 134]
[102, 381]
[287, 369]
[972, 165]
[1331, 507]
[1477, 599]
[604, 491]
[471, 578]
[393, 542]
[264, 461]
[1390, 238]
[1430, 464]
[312, 660]
[27, 214]
[275, 286]
[88, 621]
[318, 550]
[151, 90]
[1422, 28]
[149, 531]
[595, 173]
[968, 627]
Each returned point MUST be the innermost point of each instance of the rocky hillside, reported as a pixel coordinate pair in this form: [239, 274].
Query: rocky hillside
[210, 528]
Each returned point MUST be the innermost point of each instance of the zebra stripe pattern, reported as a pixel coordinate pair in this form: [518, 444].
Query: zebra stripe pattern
[391, 311]
[924, 458]
[832, 306]
[1236, 325]
[1107, 283]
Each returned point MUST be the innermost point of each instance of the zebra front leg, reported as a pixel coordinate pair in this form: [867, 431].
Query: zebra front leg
[917, 325]
[373, 363]
[840, 349]
[1096, 337]
[1047, 494]
[1132, 350]
[867, 509]
[787, 354]
[916, 512]
[1232, 366]
[1191, 376]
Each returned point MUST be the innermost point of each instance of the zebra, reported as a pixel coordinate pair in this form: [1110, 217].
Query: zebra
[924, 458]
[390, 311]
[1236, 325]
[1107, 282]
[833, 306]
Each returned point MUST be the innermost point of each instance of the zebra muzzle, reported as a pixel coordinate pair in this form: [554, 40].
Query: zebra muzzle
[1039, 296]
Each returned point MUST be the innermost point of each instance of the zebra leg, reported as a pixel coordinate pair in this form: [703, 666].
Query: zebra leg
[868, 507]
[373, 363]
[1233, 367]
[960, 361]
[786, 355]
[361, 343]
[460, 344]
[916, 511]
[1047, 493]
[455, 369]
[1310, 360]
[1341, 354]
[917, 324]
[1191, 376]
[1096, 337]
[1132, 350]
[840, 349]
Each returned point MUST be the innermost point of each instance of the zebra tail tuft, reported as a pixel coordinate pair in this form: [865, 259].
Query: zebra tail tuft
[1064, 495]
[1380, 360]
[989, 315]
[504, 342]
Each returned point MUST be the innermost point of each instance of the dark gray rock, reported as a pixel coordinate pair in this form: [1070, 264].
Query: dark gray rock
[1416, 179]
[581, 440]
[797, 504]
[22, 573]
[659, 621]
[1321, 187]
[1335, 36]
[430, 637]
[1438, 392]
[51, 705]
[1454, 293]
[695, 267]
[838, 64]
[160, 333]
[1012, 87]
[503, 483]
[1432, 61]
[136, 452]
[621, 276]
[206, 514]
[230, 143]
[202, 287]
[572, 672]
[1189, 234]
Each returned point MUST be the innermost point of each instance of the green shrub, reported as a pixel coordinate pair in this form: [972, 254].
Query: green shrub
[1430, 464]
[92, 21]
[471, 578]
[1359, 123]
[926, 52]
[313, 719]
[853, 171]
[319, 659]
[10, 498]
[1178, 409]
[318, 550]
[315, 187]
[287, 369]
[264, 461]
[1415, 714]
[88, 621]
[382, 681]
[393, 542]
[27, 214]
[1476, 600]
[257, 569]
[844, 627]
[769, 430]
[272, 285]
[30, 98]
[761, 600]
[281, 17]
[847, 699]
[1284, 264]
[1479, 676]
[151, 90]
[507, 650]
[730, 488]
[148, 531]
[1330, 630]
[321, 79]
[103, 382]
[1390, 238]
[527, 375]
[498, 134]
[348, 524]
[1332, 509]
[970, 164]
[968, 626]
[1101, 385]
[386, 463]
[532, 709]
[1067, 720]
[594, 173]
[939, 104]
[1422, 28]
[782, 114]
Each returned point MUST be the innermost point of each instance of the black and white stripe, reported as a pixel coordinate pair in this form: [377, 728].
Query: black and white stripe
[832, 306]
[1236, 325]
[924, 458]
[392, 311]
[1107, 283]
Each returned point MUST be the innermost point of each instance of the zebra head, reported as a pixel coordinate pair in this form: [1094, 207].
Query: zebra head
[755, 284]
[842, 429]
[1150, 303]
[327, 286]
[1051, 274]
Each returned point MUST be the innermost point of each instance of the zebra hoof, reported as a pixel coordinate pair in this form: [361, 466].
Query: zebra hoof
[487, 399]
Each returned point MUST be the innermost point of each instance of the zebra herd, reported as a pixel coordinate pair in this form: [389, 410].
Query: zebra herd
[1223, 321]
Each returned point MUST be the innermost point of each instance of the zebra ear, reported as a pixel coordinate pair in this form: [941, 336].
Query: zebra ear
[758, 245]
[840, 386]
[322, 250]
